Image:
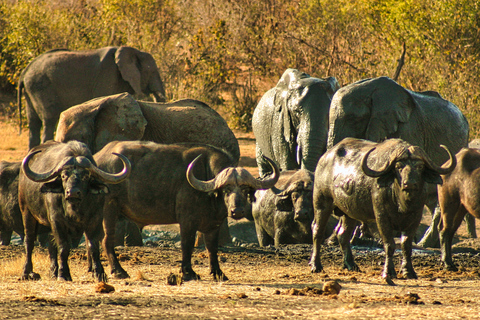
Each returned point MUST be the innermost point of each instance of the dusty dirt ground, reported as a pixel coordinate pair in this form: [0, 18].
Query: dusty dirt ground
[265, 283]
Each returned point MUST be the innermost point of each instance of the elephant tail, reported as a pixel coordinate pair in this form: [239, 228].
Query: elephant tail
[21, 86]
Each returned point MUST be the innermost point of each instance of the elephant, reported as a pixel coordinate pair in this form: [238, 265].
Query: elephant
[290, 122]
[379, 108]
[60, 78]
[120, 118]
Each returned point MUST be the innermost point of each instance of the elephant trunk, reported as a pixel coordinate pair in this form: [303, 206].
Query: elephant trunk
[311, 146]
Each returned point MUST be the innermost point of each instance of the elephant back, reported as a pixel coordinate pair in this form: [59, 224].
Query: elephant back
[188, 120]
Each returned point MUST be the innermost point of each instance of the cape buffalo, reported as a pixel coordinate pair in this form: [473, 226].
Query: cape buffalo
[166, 186]
[284, 214]
[458, 196]
[68, 198]
[10, 215]
[392, 196]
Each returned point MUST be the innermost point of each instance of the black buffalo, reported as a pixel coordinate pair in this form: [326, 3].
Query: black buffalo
[284, 214]
[196, 186]
[10, 215]
[392, 196]
[68, 199]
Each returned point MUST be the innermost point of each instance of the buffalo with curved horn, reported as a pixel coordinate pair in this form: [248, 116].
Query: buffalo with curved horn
[392, 196]
[194, 185]
[68, 199]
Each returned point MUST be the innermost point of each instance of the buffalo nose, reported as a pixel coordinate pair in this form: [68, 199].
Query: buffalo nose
[73, 193]
[237, 213]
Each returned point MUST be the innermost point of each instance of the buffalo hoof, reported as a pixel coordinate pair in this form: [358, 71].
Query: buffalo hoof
[351, 267]
[120, 274]
[450, 267]
[100, 277]
[409, 274]
[31, 276]
[188, 276]
[219, 276]
[389, 281]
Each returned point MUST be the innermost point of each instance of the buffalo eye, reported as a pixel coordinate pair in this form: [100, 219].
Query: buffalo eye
[399, 165]
[295, 196]
[420, 166]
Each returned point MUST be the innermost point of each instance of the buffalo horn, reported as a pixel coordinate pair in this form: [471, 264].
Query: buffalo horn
[440, 169]
[112, 178]
[373, 173]
[205, 186]
[42, 177]
[268, 183]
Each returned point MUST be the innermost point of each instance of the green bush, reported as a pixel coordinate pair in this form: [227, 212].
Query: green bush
[228, 53]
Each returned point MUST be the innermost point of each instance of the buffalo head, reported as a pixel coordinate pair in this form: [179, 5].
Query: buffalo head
[297, 196]
[410, 167]
[75, 176]
[236, 185]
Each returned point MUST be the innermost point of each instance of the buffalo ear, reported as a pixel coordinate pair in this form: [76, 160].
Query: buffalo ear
[55, 186]
[386, 180]
[97, 187]
[432, 177]
[126, 60]
[284, 203]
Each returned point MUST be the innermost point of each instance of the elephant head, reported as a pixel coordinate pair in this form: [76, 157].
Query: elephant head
[371, 109]
[101, 120]
[140, 70]
[302, 104]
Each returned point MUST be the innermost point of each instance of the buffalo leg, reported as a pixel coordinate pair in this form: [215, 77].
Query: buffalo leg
[344, 236]
[188, 234]
[93, 251]
[450, 224]
[262, 236]
[211, 242]
[407, 266]
[323, 209]
[6, 236]
[30, 225]
[63, 245]
[109, 222]
[53, 255]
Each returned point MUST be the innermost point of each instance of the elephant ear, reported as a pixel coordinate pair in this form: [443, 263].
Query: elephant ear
[390, 107]
[126, 60]
[102, 120]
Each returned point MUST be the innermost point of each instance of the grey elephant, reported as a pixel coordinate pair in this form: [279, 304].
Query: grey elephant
[120, 118]
[290, 123]
[59, 79]
[379, 108]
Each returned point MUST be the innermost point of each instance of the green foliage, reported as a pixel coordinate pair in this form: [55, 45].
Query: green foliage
[228, 53]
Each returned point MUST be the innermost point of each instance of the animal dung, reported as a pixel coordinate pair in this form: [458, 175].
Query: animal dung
[103, 287]
[331, 287]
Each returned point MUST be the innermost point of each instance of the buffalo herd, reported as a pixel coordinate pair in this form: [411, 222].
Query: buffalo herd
[382, 164]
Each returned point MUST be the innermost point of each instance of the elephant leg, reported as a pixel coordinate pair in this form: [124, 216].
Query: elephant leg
[431, 237]
[264, 168]
[49, 126]
[34, 125]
